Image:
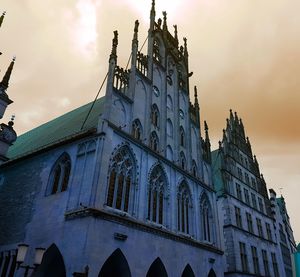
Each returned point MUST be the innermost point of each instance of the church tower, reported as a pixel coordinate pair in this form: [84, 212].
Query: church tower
[7, 133]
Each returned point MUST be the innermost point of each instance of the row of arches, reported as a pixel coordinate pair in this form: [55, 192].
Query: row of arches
[122, 190]
[117, 265]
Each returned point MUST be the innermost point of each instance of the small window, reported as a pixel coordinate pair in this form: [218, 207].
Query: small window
[155, 116]
[59, 176]
[156, 91]
[181, 114]
[154, 141]
[137, 129]
[182, 137]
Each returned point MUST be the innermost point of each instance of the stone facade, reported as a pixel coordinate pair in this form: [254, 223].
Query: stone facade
[130, 194]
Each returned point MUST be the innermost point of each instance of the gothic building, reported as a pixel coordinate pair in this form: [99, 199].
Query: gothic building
[121, 186]
[257, 236]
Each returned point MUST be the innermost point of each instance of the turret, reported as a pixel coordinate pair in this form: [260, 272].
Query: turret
[206, 145]
[4, 99]
[7, 137]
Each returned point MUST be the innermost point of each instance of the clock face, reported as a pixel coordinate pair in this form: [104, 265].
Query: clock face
[181, 114]
[156, 91]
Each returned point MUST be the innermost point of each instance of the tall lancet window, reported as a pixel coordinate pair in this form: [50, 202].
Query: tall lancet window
[156, 51]
[157, 196]
[182, 160]
[155, 116]
[59, 176]
[121, 179]
[206, 219]
[137, 129]
[184, 209]
[182, 137]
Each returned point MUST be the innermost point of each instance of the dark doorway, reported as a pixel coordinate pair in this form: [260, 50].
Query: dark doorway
[52, 264]
[188, 272]
[115, 266]
[157, 269]
[212, 273]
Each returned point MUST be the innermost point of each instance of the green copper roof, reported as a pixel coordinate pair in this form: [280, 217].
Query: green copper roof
[57, 129]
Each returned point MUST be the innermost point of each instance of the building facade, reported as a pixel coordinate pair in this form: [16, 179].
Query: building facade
[257, 236]
[121, 186]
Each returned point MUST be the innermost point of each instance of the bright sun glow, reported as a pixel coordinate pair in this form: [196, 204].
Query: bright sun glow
[85, 31]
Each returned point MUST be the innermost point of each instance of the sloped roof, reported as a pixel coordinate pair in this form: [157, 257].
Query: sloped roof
[56, 130]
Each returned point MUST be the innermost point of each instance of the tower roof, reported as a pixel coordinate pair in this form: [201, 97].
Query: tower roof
[5, 81]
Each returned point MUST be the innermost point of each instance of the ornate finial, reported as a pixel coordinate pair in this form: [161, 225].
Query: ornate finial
[136, 29]
[165, 21]
[11, 122]
[1, 18]
[153, 7]
[205, 126]
[114, 45]
[185, 44]
[195, 92]
[159, 23]
[175, 32]
[5, 81]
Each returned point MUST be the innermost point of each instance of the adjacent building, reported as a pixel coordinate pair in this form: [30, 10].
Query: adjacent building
[257, 237]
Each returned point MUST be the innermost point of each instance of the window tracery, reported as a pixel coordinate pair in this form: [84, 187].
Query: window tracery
[157, 196]
[59, 176]
[206, 219]
[184, 208]
[121, 179]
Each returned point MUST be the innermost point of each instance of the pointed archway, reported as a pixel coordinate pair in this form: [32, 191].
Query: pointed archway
[156, 269]
[52, 264]
[188, 272]
[212, 273]
[115, 266]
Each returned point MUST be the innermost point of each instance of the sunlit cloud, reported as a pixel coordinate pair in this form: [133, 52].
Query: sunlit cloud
[84, 26]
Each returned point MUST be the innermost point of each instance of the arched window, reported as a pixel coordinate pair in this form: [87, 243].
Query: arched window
[156, 54]
[169, 103]
[156, 195]
[59, 176]
[169, 152]
[194, 169]
[121, 179]
[182, 160]
[169, 128]
[206, 219]
[155, 116]
[182, 137]
[184, 208]
[137, 129]
[154, 141]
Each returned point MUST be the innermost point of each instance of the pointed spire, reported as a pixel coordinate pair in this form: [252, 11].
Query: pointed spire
[206, 131]
[175, 32]
[1, 18]
[185, 47]
[5, 81]
[152, 12]
[224, 135]
[136, 30]
[165, 27]
[196, 96]
[114, 46]
[227, 124]
[231, 115]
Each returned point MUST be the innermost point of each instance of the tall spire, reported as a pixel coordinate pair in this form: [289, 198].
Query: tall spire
[113, 54]
[185, 47]
[5, 81]
[175, 32]
[196, 96]
[206, 131]
[152, 16]
[165, 26]
[1, 18]
[136, 29]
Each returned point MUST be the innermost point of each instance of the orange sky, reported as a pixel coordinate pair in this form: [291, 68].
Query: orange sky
[244, 55]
